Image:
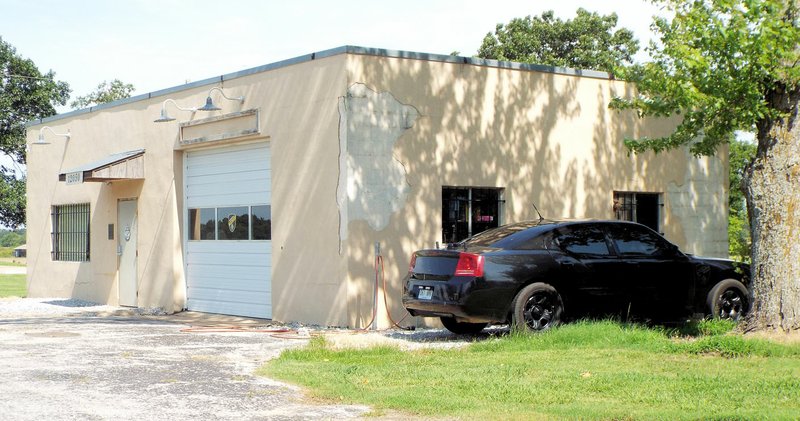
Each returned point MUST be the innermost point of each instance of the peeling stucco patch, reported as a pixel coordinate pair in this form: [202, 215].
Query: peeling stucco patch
[372, 183]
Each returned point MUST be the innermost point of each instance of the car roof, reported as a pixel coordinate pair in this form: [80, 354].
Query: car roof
[509, 234]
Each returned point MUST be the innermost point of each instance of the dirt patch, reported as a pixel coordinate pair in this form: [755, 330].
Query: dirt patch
[791, 337]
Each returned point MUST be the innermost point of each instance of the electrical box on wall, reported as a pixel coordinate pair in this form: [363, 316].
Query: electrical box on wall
[110, 231]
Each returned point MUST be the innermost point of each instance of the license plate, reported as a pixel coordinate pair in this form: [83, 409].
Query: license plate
[425, 293]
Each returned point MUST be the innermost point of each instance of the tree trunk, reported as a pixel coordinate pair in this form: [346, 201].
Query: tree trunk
[772, 187]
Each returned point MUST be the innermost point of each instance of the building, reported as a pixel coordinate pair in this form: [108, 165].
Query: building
[20, 251]
[276, 204]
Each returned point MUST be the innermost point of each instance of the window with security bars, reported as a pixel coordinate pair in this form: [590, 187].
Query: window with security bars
[644, 208]
[467, 211]
[70, 234]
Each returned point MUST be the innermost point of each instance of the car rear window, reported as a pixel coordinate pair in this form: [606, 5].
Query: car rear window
[523, 235]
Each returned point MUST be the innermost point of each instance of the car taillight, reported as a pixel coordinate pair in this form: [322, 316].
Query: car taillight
[469, 265]
[412, 263]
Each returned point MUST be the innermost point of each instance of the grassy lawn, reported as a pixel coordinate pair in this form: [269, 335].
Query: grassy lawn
[13, 286]
[585, 370]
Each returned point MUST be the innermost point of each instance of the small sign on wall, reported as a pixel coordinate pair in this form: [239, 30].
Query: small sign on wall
[74, 177]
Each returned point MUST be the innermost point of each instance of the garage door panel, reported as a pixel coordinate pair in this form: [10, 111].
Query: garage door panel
[260, 177]
[231, 261]
[207, 279]
[229, 277]
[250, 186]
[231, 247]
[210, 201]
[233, 308]
[239, 153]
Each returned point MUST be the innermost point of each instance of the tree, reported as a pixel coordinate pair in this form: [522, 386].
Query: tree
[106, 92]
[11, 238]
[587, 42]
[741, 153]
[25, 95]
[728, 65]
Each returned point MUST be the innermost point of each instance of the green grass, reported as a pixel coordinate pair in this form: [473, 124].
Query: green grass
[584, 370]
[13, 286]
[6, 251]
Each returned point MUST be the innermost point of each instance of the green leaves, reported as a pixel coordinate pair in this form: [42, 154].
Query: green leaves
[717, 63]
[588, 41]
[26, 94]
[106, 92]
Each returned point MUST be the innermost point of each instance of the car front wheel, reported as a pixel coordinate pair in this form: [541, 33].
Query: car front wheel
[537, 307]
[728, 300]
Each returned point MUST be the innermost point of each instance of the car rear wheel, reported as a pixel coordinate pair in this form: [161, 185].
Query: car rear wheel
[537, 307]
[461, 327]
[728, 300]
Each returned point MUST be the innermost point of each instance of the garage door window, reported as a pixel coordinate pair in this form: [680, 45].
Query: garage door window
[201, 224]
[231, 223]
[262, 222]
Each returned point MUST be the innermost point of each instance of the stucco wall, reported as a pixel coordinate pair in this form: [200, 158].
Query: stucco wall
[545, 138]
[298, 114]
[361, 146]
[96, 136]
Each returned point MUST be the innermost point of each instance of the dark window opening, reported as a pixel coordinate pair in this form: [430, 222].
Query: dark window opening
[644, 208]
[467, 211]
[70, 235]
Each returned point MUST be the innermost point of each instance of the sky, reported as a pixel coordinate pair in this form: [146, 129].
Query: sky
[157, 44]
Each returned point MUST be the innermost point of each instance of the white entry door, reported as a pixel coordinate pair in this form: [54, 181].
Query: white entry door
[126, 249]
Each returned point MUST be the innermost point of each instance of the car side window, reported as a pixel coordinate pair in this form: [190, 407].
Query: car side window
[583, 240]
[633, 240]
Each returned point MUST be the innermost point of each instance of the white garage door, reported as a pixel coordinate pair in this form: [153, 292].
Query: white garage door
[229, 247]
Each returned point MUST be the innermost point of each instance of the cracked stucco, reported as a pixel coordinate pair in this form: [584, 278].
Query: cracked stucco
[694, 201]
[372, 182]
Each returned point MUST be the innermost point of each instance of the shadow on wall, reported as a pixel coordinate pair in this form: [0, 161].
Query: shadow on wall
[544, 138]
[479, 127]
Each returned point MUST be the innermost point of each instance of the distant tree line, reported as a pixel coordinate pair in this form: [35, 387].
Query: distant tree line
[12, 238]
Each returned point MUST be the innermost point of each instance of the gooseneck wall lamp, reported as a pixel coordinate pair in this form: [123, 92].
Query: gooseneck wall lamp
[165, 117]
[210, 106]
[42, 141]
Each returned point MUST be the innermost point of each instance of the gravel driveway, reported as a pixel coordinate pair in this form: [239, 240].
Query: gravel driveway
[74, 360]
[71, 360]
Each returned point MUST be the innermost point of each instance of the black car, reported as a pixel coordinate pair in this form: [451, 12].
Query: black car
[536, 274]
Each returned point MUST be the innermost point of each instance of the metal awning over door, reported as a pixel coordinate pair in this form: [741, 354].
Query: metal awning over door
[120, 166]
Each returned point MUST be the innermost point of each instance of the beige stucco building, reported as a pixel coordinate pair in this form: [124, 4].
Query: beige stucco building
[272, 206]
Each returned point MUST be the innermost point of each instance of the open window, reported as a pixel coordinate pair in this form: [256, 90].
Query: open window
[467, 211]
[644, 208]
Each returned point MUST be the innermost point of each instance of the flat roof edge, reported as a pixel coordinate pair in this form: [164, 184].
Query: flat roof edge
[347, 49]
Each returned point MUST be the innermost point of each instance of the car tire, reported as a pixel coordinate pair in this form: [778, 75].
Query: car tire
[537, 307]
[461, 328]
[728, 300]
